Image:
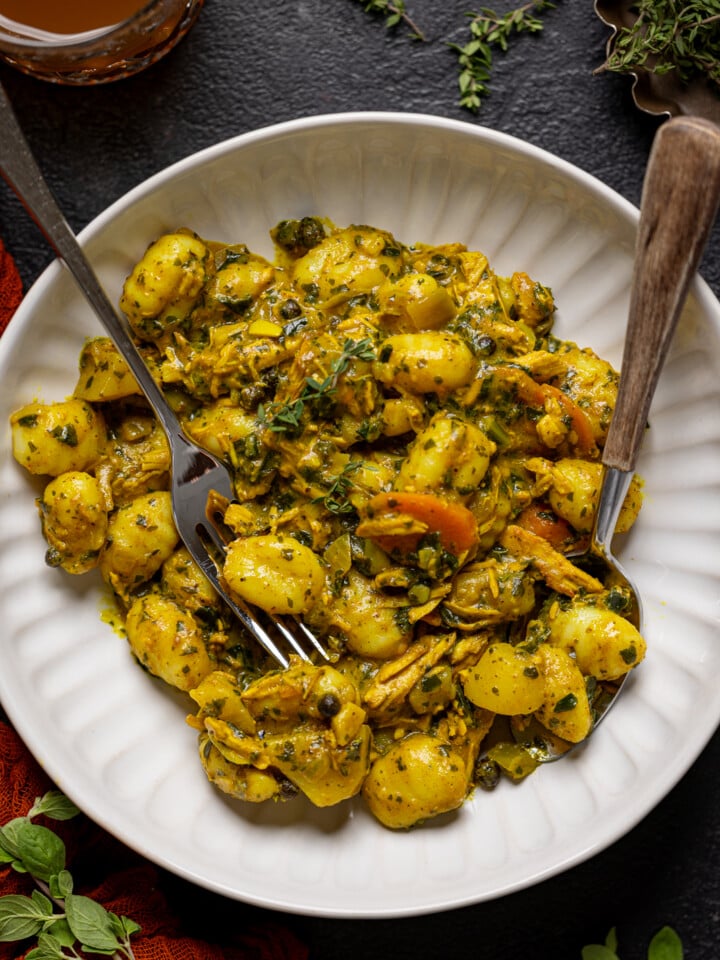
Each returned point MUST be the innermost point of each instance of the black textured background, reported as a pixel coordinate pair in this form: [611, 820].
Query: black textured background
[246, 65]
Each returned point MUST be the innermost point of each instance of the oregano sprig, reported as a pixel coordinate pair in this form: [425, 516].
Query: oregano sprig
[491, 32]
[670, 35]
[63, 921]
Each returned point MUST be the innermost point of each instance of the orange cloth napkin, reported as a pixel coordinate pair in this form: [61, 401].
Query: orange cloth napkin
[179, 921]
[10, 287]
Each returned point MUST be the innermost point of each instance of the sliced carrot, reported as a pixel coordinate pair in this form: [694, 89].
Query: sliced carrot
[578, 418]
[454, 523]
[535, 394]
[539, 518]
[528, 390]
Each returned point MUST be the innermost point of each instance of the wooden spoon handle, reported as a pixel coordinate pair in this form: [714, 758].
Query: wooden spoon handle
[679, 202]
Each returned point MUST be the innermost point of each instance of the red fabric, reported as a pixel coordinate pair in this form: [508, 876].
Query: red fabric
[179, 921]
[10, 287]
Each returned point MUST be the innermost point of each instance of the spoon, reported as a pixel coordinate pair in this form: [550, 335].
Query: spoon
[680, 199]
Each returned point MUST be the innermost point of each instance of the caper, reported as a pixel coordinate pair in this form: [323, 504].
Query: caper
[487, 773]
[299, 236]
[329, 705]
[290, 309]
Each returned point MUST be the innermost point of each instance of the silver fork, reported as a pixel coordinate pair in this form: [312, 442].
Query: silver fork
[197, 477]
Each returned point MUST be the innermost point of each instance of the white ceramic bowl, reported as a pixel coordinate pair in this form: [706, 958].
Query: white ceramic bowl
[115, 739]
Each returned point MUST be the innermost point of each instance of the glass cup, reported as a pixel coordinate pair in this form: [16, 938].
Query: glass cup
[97, 55]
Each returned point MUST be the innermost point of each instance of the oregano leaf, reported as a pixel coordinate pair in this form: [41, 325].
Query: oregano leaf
[8, 835]
[61, 885]
[42, 902]
[20, 917]
[597, 951]
[91, 924]
[44, 953]
[49, 946]
[40, 851]
[665, 945]
[123, 927]
[55, 805]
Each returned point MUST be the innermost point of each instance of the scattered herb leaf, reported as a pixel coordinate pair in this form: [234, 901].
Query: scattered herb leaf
[489, 32]
[394, 12]
[286, 417]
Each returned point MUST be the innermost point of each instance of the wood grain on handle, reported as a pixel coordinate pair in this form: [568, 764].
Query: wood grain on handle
[679, 203]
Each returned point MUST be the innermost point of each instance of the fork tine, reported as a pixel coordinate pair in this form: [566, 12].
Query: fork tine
[198, 475]
[313, 639]
[290, 636]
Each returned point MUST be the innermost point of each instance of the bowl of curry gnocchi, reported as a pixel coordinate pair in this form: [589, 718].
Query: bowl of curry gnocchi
[411, 384]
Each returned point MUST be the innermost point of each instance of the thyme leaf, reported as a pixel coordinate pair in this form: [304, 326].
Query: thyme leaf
[335, 500]
[490, 31]
[394, 12]
[317, 394]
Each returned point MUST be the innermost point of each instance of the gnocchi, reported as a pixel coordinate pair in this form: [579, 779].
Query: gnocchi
[416, 457]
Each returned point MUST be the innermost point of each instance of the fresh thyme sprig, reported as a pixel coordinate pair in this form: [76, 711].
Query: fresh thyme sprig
[286, 417]
[335, 500]
[670, 35]
[491, 31]
[394, 12]
[62, 921]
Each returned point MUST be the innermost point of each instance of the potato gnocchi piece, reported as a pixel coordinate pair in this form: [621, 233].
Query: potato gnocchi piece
[603, 644]
[55, 438]
[163, 287]
[277, 574]
[419, 777]
[566, 709]
[141, 536]
[349, 262]
[168, 641]
[449, 454]
[104, 375]
[573, 488]
[368, 619]
[423, 363]
[506, 680]
[74, 518]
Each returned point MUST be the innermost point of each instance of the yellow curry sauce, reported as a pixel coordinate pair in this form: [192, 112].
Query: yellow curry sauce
[414, 454]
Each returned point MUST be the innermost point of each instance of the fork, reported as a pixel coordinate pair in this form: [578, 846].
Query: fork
[197, 477]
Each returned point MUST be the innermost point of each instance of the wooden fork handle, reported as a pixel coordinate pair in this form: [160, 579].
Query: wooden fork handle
[679, 203]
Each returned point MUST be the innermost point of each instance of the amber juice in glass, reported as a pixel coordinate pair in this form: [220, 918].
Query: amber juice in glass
[87, 42]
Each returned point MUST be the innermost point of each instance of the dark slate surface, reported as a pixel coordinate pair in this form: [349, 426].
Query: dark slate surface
[248, 65]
